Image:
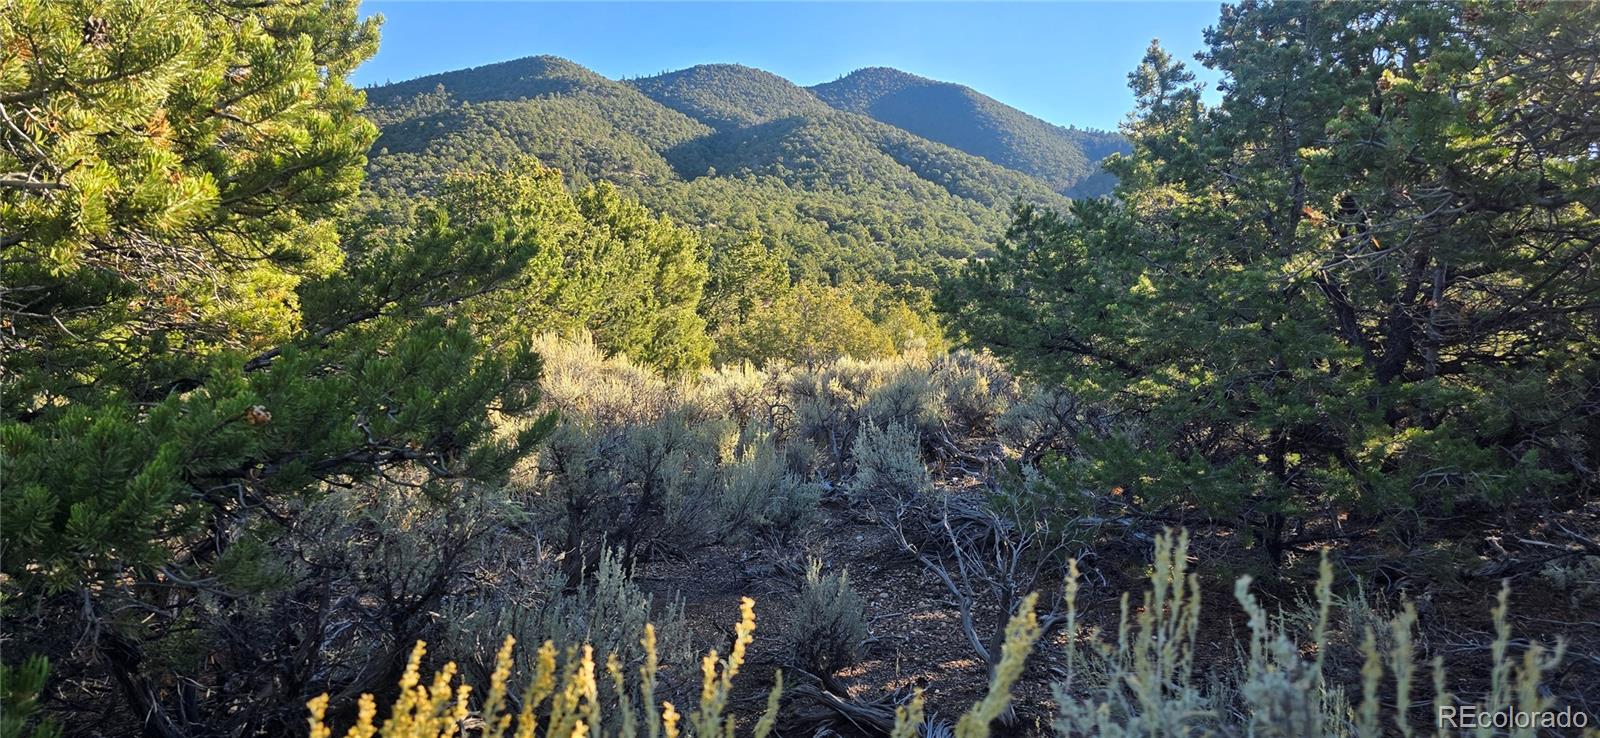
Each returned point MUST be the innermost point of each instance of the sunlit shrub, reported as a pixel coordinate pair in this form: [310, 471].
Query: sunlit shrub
[1145, 682]
[905, 397]
[828, 402]
[562, 698]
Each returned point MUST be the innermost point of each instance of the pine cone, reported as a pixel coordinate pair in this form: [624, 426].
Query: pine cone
[96, 32]
[257, 415]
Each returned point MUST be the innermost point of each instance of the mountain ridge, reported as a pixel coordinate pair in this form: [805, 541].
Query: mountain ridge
[726, 148]
[965, 119]
[1064, 158]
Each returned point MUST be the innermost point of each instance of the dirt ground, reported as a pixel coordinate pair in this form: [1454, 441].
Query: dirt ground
[915, 639]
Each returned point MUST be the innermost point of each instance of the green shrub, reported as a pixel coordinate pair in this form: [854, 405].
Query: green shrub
[827, 404]
[795, 506]
[605, 610]
[20, 687]
[973, 391]
[888, 464]
[1041, 419]
[829, 623]
[1580, 577]
[741, 393]
[905, 397]
[629, 484]
[760, 494]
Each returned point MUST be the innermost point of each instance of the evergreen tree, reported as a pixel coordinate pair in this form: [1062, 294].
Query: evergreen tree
[190, 354]
[170, 171]
[746, 277]
[652, 273]
[599, 261]
[808, 323]
[1366, 279]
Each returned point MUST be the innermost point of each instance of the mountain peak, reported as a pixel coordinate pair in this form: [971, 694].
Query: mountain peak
[726, 96]
[514, 79]
[880, 75]
[730, 97]
[965, 119]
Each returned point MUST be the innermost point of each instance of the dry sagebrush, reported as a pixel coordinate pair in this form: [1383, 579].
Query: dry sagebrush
[1146, 683]
[562, 698]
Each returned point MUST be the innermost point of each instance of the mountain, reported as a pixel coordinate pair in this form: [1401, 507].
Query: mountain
[1064, 158]
[725, 148]
[727, 96]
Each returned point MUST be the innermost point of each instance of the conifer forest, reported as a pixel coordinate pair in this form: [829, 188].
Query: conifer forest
[523, 400]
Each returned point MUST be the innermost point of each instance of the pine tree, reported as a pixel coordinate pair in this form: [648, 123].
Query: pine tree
[193, 349]
[745, 278]
[653, 274]
[1365, 280]
[168, 173]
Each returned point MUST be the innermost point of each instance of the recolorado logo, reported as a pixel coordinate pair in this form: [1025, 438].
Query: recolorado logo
[1473, 716]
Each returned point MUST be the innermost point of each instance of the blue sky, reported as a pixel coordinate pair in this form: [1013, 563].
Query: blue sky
[1065, 62]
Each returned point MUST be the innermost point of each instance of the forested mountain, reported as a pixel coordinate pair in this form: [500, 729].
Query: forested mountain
[725, 148]
[300, 407]
[1065, 158]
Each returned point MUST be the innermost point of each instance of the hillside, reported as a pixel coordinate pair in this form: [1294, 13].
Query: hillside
[962, 118]
[725, 148]
[726, 96]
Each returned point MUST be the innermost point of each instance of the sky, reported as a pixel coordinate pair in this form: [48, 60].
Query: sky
[1065, 62]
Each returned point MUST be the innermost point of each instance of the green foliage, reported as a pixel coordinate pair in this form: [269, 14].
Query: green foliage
[402, 556]
[974, 392]
[745, 278]
[595, 261]
[642, 459]
[20, 687]
[606, 610]
[729, 96]
[1361, 281]
[728, 150]
[829, 625]
[652, 289]
[171, 174]
[808, 323]
[758, 315]
[134, 432]
[1042, 418]
[758, 493]
[200, 353]
[940, 402]
[1066, 159]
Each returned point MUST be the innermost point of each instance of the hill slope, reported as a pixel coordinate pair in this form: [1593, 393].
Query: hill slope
[726, 96]
[725, 148]
[962, 118]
